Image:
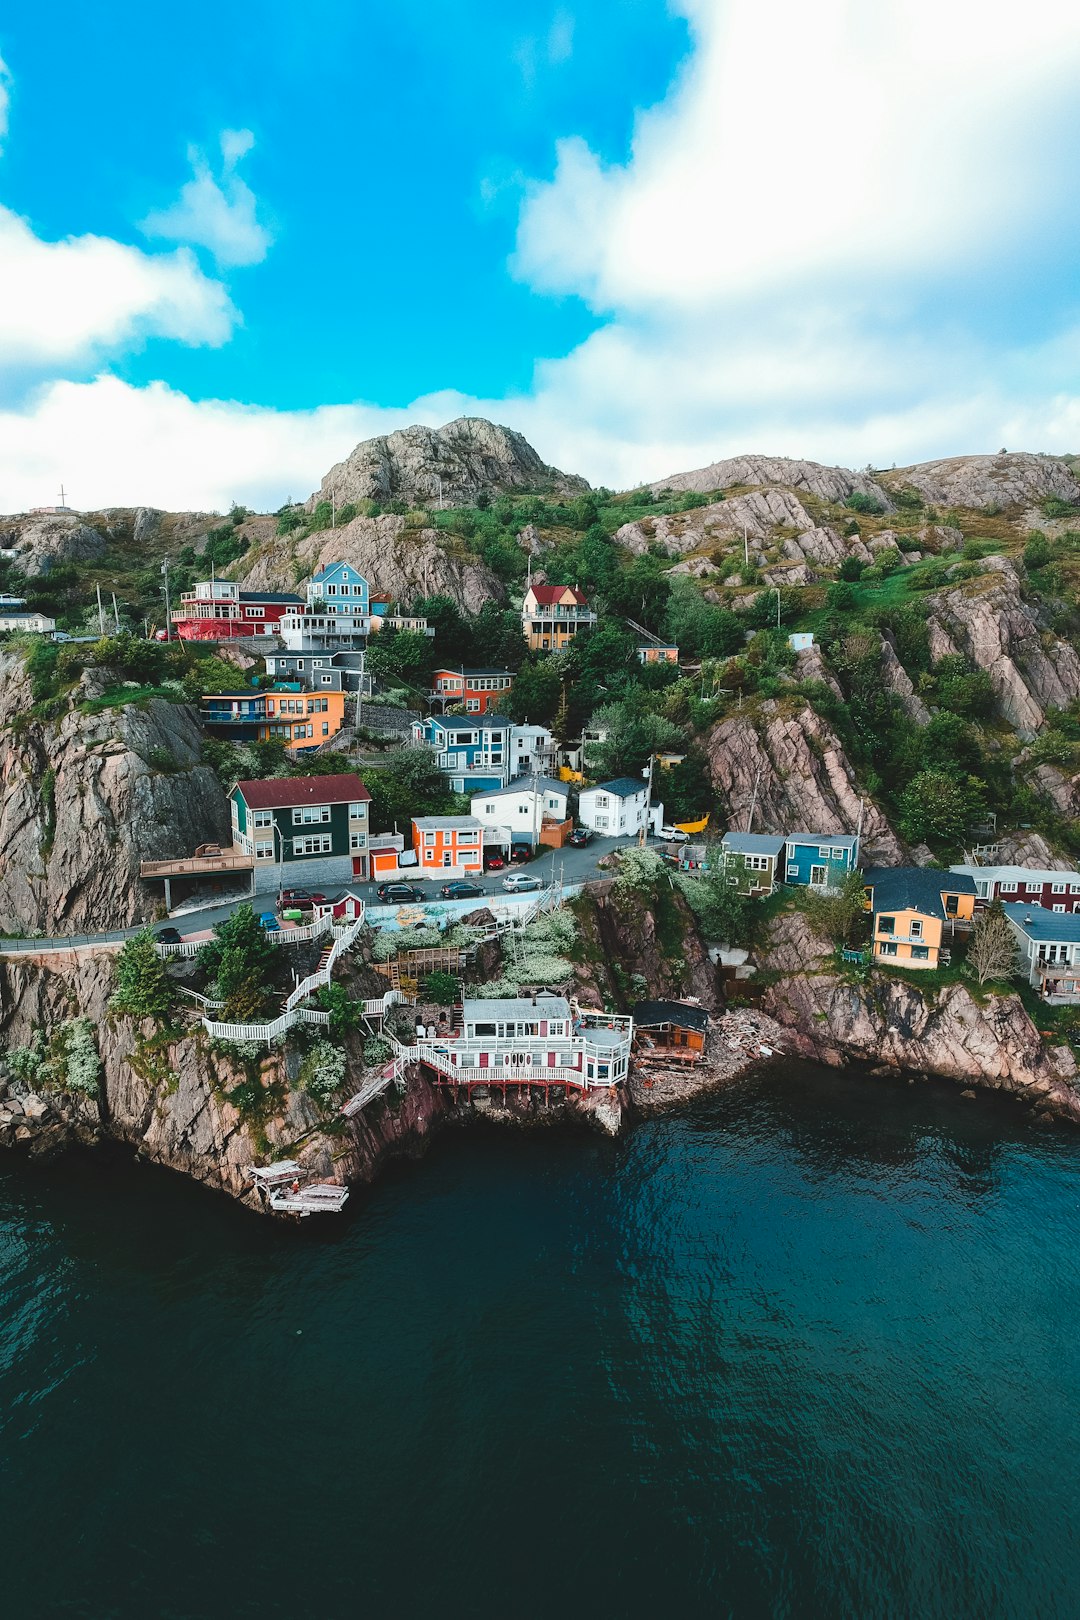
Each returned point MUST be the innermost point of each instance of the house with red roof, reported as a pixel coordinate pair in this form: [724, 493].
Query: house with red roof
[314, 828]
[552, 615]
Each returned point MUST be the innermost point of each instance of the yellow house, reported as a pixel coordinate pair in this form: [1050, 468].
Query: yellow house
[912, 908]
[552, 615]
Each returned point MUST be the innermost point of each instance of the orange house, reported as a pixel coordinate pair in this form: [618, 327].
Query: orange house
[448, 844]
[477, 690]
[912, 908]
[302, 720]
[657, 652]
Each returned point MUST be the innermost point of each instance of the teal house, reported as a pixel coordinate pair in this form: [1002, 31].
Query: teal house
[819, 860]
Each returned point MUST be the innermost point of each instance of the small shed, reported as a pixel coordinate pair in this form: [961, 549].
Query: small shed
[673, 1029]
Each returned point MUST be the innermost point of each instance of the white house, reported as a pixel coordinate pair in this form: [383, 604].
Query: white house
[532, 749]
[618, 809]
[17, 619]
[521, 808]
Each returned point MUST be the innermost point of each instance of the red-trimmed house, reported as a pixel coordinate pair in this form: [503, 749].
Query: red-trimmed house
[218, 610]
[448, 846]
[1027, 885]
[476, 690]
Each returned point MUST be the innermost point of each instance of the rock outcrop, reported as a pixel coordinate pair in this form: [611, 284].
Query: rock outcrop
[758, 513]
[987, 619]
[87, 797]
[40, 543]
[630, 948]
[827, 483]
[984, 481]
[790, 765]
[403, 562]
[453, 464]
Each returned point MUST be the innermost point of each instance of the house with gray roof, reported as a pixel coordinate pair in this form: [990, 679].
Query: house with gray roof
[753, 862]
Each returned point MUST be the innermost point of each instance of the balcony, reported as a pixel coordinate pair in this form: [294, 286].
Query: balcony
[207, 858]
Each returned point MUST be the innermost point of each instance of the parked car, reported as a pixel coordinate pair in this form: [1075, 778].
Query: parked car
[169, 936]
[518, 881]
[400, 894]
[579, 837]
[521, 852]
[674, 835]
[297, 897]
[494, 863]
[461, 891]
[268, 921]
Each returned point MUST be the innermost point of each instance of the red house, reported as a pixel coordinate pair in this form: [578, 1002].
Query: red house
[478, 690]
[218, 610]
[1029, 885]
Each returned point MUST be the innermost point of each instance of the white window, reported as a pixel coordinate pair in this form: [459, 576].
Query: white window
[1057, 888]
[602, 802]
[601, 821]
[254, 613]
[1074, 888]
[916, 928]
[429, 838]
[467, 837]
[489, 809]
[328, 680]
[1059, 908]
[357, 840]
[264, 852]
[313, 844]
[472, 705]
[887, 950]
[309, 814]
[358, 812]
[262, 819]
[1008, 888]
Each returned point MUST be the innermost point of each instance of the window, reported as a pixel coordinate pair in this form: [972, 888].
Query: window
[448, 859]
[472, 705]
[886, 925]
[309, 813]
[818, 875]
[328, 680]
[887, 950]
[489, 809]
[916, 928]
[1074, 888]
[313, 844]
[429, 838]
[326, 728]
[920, 953]
[602, 802]
[1008, 888]
[1057, 888]
[467, 837]
[264, 852]
[262, 819]
[254, 613]
[357, 840]
[1058, 908]
[358, 812]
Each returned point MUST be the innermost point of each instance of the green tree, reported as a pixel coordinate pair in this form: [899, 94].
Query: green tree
[240, 960]
[401, 655]
[143, 987]
[536, 694]
[410, 784]
[937, 807]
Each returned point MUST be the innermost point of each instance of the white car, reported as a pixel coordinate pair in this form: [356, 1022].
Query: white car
[518, 881]
[674, 835]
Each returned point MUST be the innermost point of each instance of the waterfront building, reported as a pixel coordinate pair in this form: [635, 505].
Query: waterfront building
[673, 1030]
[531, 1040]
[1049, 945]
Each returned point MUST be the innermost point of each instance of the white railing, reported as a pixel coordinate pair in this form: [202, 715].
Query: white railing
[344, 937]
[186, 947]
[437, 1057]
[264, 1032]
[277, 936]
[204, 1001]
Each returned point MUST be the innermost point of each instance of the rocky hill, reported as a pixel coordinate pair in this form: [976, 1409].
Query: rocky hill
[454, 465]
[827, 483]
[983, 482]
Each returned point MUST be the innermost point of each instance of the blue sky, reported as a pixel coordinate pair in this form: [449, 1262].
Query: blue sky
[649, 233]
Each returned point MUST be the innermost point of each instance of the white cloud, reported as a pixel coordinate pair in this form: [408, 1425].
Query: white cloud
[216, 211]
[61, 302]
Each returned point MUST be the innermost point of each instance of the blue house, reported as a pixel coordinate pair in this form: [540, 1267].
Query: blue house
[820, 860]
[341, 588]
[473, 750]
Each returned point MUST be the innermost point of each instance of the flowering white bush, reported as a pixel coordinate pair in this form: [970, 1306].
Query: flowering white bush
[324, 1070]
[83, 1063]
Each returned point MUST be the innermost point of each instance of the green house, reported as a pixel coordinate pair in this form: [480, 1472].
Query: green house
[315, 828]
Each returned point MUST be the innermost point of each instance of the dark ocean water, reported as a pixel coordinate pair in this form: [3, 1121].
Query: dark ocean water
[809, 1350]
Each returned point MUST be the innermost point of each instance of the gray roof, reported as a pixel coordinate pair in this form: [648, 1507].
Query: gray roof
[650, 1014]
[914, 888]
[623, 787]
[472, 722]
[268, 596]
[525, 784]
[516, 1007]
[1040, 924]
[847, 840]
[744, 843]
[447, 823]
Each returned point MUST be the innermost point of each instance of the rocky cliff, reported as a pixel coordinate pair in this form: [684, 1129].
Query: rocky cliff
[84, 798]
[403, 562]
[896, 1026]
[988, 481]
[39, 543]
[452, 464]
[633, 945]
[827, 483]
[788, 764]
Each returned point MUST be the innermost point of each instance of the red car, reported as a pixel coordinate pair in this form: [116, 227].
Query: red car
[494, 863]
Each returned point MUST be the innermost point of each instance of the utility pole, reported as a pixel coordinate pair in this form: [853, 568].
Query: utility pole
[100, 613]
[753, 801]
[643, 831]
[63, 496]
[778, 607]
[168, 613]
[115, 613]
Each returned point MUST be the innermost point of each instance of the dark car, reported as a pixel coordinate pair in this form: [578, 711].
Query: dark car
[461, 891]
[399, 894]
[494, 863]
[169, 936]
[579, 837]
[521, 852]
[297, 897]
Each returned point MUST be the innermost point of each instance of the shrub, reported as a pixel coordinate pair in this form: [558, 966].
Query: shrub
[441, 988]
[143, 987]
[1054, 507]
[1038, 551]
[852, 568]
[323, 1071]
[869, 505]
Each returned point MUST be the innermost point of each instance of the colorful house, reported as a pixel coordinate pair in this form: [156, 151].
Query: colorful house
[218, 610]
[819, 860]
[301, 720]
[753, 862]
[473, 752]
[1049, 944]
[913, 908]
[303, 829]
[533, 750]
[552, 615]
[528, 810]
[448, 846]
[1025, 885]
[337, 669]
[476, 690]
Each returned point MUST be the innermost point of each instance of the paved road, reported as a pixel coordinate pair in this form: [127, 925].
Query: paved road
[578, 865]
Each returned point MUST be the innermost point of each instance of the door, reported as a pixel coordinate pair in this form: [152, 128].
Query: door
[818, 876]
